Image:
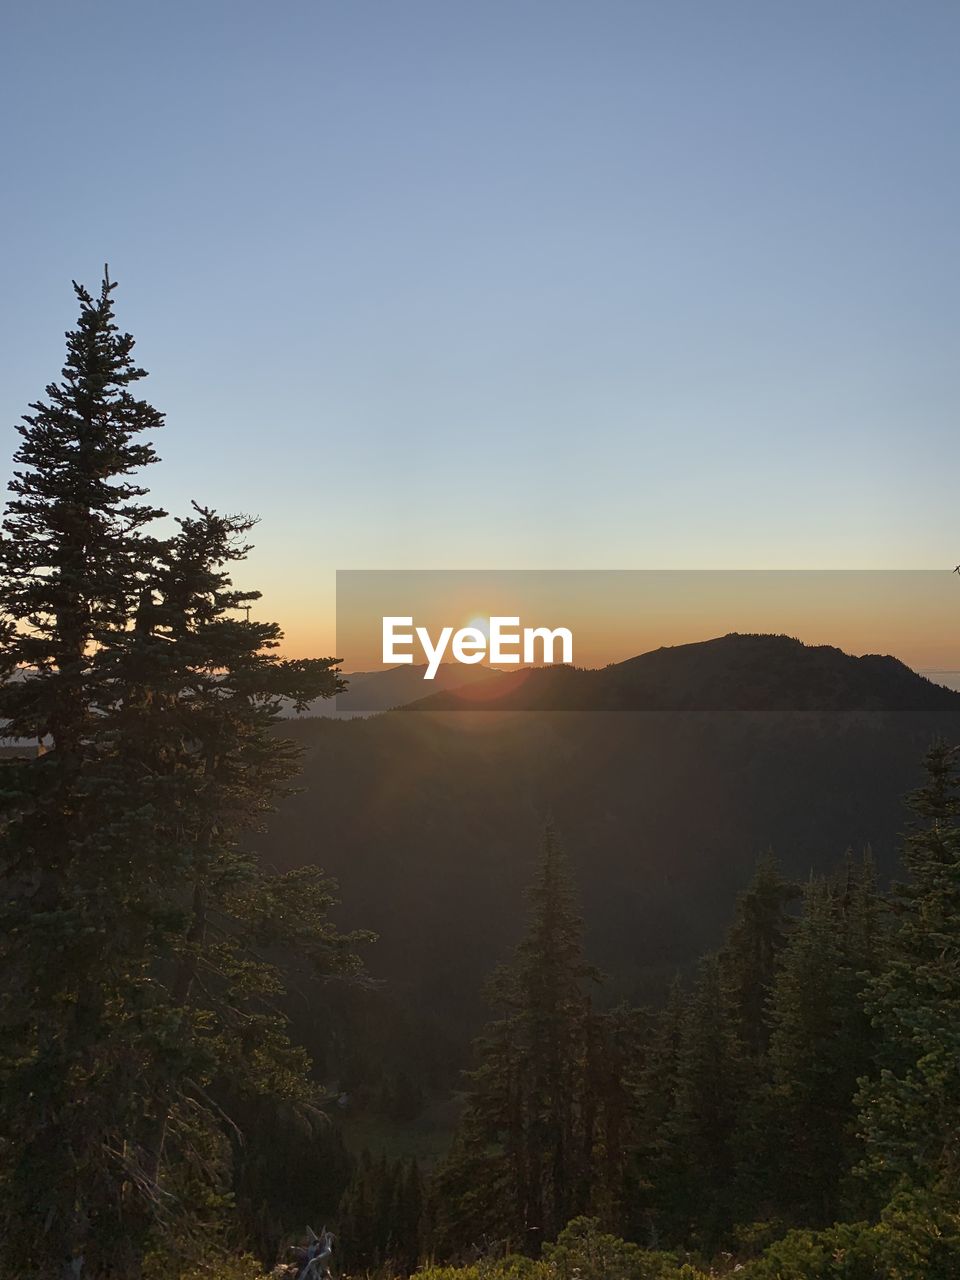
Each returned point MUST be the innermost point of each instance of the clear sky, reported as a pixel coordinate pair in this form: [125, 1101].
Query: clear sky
[508, 284]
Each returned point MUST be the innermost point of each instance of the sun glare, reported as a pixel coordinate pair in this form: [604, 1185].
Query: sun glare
[482, 625]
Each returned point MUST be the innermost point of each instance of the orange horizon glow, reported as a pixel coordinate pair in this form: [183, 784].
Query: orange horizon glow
[913, 616]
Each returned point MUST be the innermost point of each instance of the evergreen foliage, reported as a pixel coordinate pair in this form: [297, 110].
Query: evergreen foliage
[911, 1102]
[517, 1169]
[382, 1216]
[753, 946]
[142, 946]
[822, 1043]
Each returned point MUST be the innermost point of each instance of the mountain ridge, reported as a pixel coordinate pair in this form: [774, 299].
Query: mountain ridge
[737, 671]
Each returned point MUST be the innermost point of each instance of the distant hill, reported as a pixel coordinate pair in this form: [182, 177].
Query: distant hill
[371, 691]
[735, 671]
[732, 673]
[668, 777]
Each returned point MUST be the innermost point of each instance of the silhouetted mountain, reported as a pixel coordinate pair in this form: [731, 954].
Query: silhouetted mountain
[676, 770]
[732, 673]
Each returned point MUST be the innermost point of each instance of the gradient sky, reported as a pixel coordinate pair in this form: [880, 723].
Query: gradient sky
[508, 284]
[614, 615]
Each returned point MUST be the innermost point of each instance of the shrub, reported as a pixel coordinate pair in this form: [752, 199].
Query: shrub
[584, 1252]
[917, 1238]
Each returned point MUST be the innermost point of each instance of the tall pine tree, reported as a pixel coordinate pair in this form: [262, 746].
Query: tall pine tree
[135, 926]
[711, 1089]
[821, 1044]
[515, 1173]
[750, 953]
[911, 1104]
[74, 556]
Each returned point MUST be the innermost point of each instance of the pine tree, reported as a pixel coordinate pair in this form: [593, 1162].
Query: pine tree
[750, 953]
[515, 1170]
[135, 924]
[359, 1229]
[75, 550]
[380, 1218]
[609, 1116]
[73, 558]
[407, 1214]
[659, 1168]
[711, 1091]
[911, 1105]
[821, 1043]
[748, 964]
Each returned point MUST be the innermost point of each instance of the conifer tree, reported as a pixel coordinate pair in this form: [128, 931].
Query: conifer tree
[711, 1088]
[359, 1229]
[748, 964]
[659, 1168]
[380, 1218]
[608, 1115]
[911, 1105]
[821, 1043]
[134, 923]
[74, 555]
[749, 956]
[407, 1213]
[514, 1173]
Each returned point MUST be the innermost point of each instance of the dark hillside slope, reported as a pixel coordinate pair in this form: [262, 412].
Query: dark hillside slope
[431, 819]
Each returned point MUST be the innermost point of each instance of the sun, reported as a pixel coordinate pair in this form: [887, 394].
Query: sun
[482, 625]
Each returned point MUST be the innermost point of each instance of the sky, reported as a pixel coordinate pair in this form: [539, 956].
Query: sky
[612, 615]
[507, 284]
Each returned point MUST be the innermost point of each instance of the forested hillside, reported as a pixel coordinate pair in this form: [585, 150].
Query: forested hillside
[428, 818]
[806, 1076]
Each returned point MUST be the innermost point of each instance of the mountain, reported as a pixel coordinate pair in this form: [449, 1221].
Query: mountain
[732, 673]
[370, 691]
[666, 775]
[744, 672]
